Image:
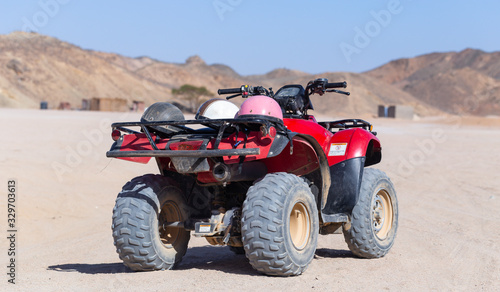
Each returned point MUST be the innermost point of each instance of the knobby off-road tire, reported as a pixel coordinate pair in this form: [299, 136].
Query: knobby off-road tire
[143, 205]
[280, 225]
[374, 221]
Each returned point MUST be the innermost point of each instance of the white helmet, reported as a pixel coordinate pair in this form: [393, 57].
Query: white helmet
[217, 108]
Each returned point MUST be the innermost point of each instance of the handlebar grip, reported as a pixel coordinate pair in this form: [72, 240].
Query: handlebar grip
[336, 85]
[229, 91]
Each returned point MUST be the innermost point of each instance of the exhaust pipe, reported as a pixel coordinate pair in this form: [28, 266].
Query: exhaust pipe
[221, 172]
[239, 172]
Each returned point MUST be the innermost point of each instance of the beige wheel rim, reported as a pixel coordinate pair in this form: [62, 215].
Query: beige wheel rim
[382, 214]
[169, 213]
[300, 225]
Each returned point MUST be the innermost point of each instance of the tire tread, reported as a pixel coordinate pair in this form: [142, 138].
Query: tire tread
[360, 238]
[130, 224]
[264, 243]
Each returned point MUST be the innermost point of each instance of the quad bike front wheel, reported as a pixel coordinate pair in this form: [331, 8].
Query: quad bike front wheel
[280, 225]
[142, 207]
[374, 220]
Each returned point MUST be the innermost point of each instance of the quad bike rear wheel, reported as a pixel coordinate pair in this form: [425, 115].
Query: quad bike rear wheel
[280, 225]
[142, 207]
[374, 220]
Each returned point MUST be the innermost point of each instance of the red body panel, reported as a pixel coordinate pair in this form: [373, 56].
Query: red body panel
[254, 140]
[311, 128]
[356, 140]
[351, 143]
[359, 141]
[138, 142]
[303, 160]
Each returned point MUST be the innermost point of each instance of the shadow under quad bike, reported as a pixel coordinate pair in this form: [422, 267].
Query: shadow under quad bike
[264, 179]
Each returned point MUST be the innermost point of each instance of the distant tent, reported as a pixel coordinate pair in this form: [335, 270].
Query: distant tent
[395, 111]
[400, 112]
[64, 105]
[138, 106]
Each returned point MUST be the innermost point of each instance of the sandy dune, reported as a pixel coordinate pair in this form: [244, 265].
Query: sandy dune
[446, 173]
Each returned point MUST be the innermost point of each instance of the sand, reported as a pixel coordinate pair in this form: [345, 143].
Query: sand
[445, 170]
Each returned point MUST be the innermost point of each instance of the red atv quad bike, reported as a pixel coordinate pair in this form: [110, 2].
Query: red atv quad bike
[264, 179]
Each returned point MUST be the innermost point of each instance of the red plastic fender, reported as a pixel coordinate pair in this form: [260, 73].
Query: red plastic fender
[351, 143]
[136, 142]
[311, 128]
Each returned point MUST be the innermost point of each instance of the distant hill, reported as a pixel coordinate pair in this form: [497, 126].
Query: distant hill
[35, 68]
[467, 82]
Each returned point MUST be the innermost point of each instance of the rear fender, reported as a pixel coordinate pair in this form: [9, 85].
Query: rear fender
[307, 160]
[250, 140]
[140, 142]
[134, 142]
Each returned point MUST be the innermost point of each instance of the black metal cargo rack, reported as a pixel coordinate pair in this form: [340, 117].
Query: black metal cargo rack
[214, 129]
[347, 124]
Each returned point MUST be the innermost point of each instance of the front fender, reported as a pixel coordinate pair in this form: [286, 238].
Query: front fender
[354, 143]
[350, 151]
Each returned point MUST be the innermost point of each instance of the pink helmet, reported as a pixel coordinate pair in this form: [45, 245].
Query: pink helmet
[261, 105]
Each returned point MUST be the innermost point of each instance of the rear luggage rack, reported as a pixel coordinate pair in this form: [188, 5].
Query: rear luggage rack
[184, 153]
[217, 129]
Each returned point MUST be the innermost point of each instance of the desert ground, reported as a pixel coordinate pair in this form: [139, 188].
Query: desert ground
[445, 170]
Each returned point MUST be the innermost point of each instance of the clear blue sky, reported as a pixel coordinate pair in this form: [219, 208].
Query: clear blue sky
[256, 36]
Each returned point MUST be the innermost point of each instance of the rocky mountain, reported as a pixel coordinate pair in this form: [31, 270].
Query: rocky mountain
[466, 82]
[35, 68]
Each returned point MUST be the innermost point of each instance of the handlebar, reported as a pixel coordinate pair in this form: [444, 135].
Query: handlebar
[229, 91]
[317, 86]
[246, 91]
[336, 85]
